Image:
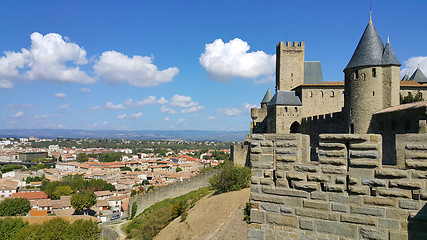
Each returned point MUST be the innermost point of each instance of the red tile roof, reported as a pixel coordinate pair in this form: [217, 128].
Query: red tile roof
[30, 195]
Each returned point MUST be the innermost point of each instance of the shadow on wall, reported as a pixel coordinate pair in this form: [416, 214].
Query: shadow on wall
[417, 225]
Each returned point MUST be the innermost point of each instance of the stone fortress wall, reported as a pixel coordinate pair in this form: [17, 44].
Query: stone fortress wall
[145, 200]
[346, 194]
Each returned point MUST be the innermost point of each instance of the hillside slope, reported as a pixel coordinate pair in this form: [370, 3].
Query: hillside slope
[213, 217]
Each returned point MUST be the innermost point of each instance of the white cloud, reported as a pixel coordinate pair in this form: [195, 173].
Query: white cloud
[211, 117]
[6, 84]
[166, 119]
[25, 105]
[162, 100]
[147, 101]
[65, 106]
[412, 63]
[123, 116]
[138, 71]
[105, 123]
[170, 126]
[46, 116]
[50, 58]
[85, 89]
[60, 95]
[230, 111]
[136, 115]
[193, 109]
[266, 80]
[224, 61]
[181, 120]
[247, 107]
[182, 101]
[165, 109]
[18, 114]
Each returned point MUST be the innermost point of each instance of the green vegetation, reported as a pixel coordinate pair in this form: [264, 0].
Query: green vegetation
[57, 228]
[178, 169]
[108, 157]
[230, 178]
[218, 155]
[125, 169]
[82, 201]
[62, 191]
[150, 222]
[82, 157]
[11, 167]
[76, 183]
[133, 211]
[247, 212]
[9, 227]
[35, 179]
[15, 207]
[411, 98]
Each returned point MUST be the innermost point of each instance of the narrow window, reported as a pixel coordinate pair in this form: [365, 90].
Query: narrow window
[374, 72]
[356, 74]
[292, 75]
[296, 109]
[373, 93]
[311, 94]
[321, 93]
[352, 128]
[286, 109]
[393, 125]
[332, 94]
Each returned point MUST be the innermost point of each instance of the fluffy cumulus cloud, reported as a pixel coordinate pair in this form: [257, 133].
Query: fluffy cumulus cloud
[245, 109]
[412, 63]
[147, 101]
[162, 100]
[65, 106]
[166, 109]
[122, 116]
[211, 117]
[187, 103]
[109, 105]
[137, 70]
[18, 114]
[136, 115]
[85, 89]
[224, 61]
[50, 58]
[60, 95]
[193, 109]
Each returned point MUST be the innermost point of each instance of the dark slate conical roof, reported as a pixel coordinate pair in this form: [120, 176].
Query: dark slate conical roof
[388, 56]
[370, 49]
[418, 76]
[267, 97]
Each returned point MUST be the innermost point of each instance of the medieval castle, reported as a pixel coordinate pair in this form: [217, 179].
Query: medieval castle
[339, 160]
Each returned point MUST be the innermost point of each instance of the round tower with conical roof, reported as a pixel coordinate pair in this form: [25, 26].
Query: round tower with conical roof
[371, 80]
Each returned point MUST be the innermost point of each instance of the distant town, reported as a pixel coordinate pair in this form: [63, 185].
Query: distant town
[48, 172]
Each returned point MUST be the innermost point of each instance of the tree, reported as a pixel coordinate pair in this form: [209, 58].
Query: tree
[83, 229]
[82, 201]
[15, 207]
[82, 157]
[230, 178]
[9, 227]
[62, 191]
[178, 169]
[125, 169]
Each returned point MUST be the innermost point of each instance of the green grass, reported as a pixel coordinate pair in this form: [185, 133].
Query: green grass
[156, 217]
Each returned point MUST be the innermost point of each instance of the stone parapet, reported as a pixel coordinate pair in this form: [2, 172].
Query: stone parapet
[347, 194]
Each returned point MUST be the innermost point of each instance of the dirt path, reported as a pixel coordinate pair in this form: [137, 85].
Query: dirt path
[118, 228]
[214, 217]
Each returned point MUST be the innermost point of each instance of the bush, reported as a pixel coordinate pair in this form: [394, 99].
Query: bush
[230, 178]
[133, 211]
[247, 212]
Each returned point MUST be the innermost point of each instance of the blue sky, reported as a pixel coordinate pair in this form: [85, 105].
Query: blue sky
[201, 65]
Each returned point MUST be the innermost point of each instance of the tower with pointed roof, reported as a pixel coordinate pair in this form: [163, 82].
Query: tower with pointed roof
[371, 80]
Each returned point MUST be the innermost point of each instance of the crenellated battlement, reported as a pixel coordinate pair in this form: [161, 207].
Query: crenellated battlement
[348, 193]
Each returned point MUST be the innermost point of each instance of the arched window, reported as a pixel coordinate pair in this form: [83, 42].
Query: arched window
[296, 109]
[311, 94]
[332, 93]
[286, 109]
[374, 72]
[321, 93]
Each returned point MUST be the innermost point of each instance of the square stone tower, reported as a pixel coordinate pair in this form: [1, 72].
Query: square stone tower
[289, 65]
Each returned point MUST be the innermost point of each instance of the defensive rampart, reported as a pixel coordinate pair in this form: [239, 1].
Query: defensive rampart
[173, 190]
[347, 194]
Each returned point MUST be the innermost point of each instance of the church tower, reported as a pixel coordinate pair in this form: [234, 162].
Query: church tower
[371, 80]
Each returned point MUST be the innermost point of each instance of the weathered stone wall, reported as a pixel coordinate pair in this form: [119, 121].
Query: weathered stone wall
[289, 65]
[346, 194]
[145, 200]
[239, 154]
[318, 99]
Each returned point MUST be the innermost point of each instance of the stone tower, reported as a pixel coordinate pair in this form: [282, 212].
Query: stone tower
[289, 65]
[371, 80]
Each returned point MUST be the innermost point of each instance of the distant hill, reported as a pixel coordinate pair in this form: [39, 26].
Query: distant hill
[189, 135]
